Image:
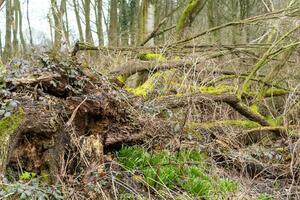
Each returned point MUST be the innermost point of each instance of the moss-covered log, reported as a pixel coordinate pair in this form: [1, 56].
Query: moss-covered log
[188, 15]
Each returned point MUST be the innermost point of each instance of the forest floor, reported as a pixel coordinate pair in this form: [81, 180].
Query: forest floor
[146, 126]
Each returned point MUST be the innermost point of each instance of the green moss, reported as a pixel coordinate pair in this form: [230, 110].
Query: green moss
[151, 56]
[242, 123]
[216, 90]
[277, 121]
[238, 123]
[275, 92]
[156, 81]
[186, 12]
[254, 108]
[146, 88]
[122, 78]
[220, 89]
[9, 125]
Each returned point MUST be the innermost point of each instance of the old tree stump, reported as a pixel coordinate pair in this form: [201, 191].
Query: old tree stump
[58, 120]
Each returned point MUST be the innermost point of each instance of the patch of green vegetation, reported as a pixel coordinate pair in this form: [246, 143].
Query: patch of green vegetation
[220, 89]
[264, 197]
[254, 108]
[151, 56]
[162, 169]
[122, 78]
[33, 189]
[8, 125]
[277, 121]
[45, 177]
[227, 185]
[27, 175]
[238, 123]
[156, 81]
[275, 92]
[216, 90]
[242, 123]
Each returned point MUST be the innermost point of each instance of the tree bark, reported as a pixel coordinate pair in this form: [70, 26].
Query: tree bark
[88, 30]
[29, 26]
[15, 27]
[98, 11]
[76, 10]
[8, 45]
[22, 40]
[58, 12]
[113, 23]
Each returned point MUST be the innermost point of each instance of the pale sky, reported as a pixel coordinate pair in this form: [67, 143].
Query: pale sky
[38, 11]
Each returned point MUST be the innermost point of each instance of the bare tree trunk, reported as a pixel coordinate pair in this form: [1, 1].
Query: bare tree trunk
[211, 17]
[124, 22]
[150, 21]
[15, 28]
[1, 54]
[8, 45]
[133, 19]
[66, 27]
[29, 26]
[113, 23]
[88, 31]
[57, 15]
[142, 21]
[50, 28]
[98, 12]
[76, 10]
[22, 40]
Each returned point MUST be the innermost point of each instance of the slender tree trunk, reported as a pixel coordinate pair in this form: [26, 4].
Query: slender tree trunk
[8, 45]
[143, 9]
[29, 26]
[87, 13]
[57, 12]
[76, 10]
[123, 21]
[157, 20]
[22, 40]
[66, 27]
[98, 11]
[113, 23]
[133, 19]
[1, 54]
[15, 27]
[212, 12]
[150, 21]
[51, 25]
[234, 17]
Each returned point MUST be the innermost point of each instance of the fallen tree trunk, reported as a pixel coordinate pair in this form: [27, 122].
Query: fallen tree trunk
[172, 102]
[134, 66]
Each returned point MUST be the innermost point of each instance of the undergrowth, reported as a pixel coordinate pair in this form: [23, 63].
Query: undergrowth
[186, 171]
[30, 190]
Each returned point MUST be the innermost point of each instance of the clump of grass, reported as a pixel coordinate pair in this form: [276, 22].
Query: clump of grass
[264, 197]
[186, 170]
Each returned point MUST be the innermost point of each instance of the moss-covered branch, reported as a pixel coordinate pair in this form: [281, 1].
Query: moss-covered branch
[188, 15]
